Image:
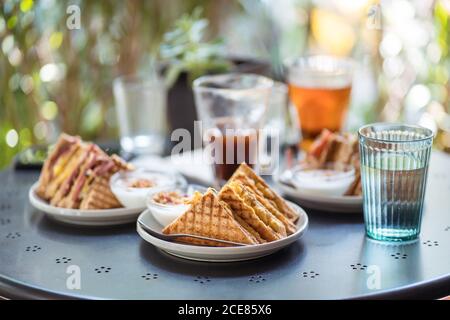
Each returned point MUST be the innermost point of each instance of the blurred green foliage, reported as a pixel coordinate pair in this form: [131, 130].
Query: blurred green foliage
[184, 49]
[55, 79]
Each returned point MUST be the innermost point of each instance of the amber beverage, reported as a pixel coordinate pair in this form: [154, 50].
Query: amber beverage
[319, 87]
[319, 108]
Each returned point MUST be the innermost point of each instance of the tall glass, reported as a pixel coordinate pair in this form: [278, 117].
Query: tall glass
[141, 114]
[231, 108]
[275, 128]
[319, 87]
[394, 165]
[277, 107]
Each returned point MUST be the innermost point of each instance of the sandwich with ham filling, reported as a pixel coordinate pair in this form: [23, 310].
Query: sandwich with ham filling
[76, 175]
[341, 150]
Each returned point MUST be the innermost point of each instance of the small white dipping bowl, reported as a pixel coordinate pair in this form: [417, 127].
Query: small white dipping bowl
[135, 197]
[325, 181]
[166, 213]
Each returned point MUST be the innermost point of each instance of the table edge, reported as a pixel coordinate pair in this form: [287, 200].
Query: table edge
[431, 289]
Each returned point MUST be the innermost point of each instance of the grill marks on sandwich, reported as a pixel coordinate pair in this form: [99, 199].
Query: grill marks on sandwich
[254, 216]
[209, 217]
[249, 229]
[245, 175]
[62, 170]
[99, 196]
[265, 215]
[95, 192]
[268, 204]
[240, 212]
[66, 185]
[288, 224]
[82, 177]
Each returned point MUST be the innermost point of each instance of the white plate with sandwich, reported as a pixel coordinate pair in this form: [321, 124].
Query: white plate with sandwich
[328, 178]
[244, 220]
[80, 184]
[84, 217]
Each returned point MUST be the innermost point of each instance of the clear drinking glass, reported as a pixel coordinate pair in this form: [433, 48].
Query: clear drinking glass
[141, 114]
[231, 108]
[319, 87]
[280, 129]
[394, 165]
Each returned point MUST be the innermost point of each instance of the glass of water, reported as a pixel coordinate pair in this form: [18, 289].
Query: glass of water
[394, 165]
[141, 114]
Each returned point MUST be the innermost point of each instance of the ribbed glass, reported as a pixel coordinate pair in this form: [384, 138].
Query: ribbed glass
[394, 165]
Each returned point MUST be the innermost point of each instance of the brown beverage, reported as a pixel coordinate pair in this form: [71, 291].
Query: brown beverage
[231, 108]
[319, 87]
[319, 108]
[230, 149]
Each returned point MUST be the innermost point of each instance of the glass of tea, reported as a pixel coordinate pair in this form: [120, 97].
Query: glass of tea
[231, 108]
[319, 87]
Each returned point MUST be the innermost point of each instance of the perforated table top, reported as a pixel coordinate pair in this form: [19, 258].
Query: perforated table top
[333, 260]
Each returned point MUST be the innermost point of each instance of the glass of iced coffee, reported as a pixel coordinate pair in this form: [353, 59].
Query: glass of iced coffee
[231, 108]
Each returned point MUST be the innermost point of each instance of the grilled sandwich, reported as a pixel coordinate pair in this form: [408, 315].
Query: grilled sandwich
[244, 205]
[210, 217]
[246, 176]
[76, 175]
[339, 149]
[245, 210]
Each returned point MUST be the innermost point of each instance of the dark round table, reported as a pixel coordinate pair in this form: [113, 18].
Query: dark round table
[334, 260]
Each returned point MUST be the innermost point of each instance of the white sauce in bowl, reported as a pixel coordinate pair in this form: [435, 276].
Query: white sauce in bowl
[327, 182]
[166, 213]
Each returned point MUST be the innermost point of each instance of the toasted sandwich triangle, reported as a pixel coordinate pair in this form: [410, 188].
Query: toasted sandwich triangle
[209, 217]
[247, 212]
[244, 174]
[76, 175]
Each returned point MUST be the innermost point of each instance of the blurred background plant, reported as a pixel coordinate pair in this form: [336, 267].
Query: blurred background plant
[55, 79]
[184, 49]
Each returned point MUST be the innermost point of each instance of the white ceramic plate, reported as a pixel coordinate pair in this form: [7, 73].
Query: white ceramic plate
[220, 254]
[340, 204]
[104, 217]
